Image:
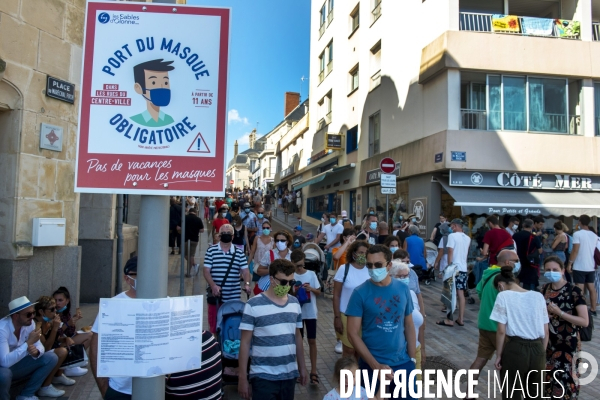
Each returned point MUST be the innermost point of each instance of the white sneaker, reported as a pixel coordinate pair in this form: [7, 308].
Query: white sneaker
[76, 371]
[63, 380]
[338, 347]
[85, 364]
[50, 391]
[27, 398]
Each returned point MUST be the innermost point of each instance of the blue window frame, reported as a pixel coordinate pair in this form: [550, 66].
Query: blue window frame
[352, 140]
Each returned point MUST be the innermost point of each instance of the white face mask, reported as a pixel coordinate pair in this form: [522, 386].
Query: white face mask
[134, 282]
[281, 246]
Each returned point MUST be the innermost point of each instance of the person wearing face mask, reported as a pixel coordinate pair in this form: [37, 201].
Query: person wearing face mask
[388, 339]
[392, 243]
[114, 387]
[298, 239]
[262, 245]
[249, 220]
[283, 242]
[332, 232]
[522, 336]
[529, 248]
[401, 272]
[369, 233]
[347, 278]
[458, 252]
[219, 221]
[260, 219]
[487, 293]
[413, 284]
[277, 355]
[568, 312]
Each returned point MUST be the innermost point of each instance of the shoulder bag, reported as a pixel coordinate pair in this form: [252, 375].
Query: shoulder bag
[210, 297]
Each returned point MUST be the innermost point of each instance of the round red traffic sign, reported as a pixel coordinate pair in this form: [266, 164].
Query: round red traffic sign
[387, 165]
[231, 182]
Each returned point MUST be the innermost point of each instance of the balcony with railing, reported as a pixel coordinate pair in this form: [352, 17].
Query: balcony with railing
[321, 76]
[596, 31]
[322, 29]
[288, 171]
[268, 173]
[517, 25]
[376, 13]
[548, 123]
[329, 17]
[329, 67]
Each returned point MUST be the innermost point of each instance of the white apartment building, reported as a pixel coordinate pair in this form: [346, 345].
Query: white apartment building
[487, 106]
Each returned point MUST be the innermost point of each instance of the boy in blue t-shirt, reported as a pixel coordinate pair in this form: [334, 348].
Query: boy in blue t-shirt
[382, 307]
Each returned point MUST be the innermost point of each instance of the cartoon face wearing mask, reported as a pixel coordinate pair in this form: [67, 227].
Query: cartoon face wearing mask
[152, 82]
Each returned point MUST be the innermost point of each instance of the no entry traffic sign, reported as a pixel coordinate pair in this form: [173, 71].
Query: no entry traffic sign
[387, 165]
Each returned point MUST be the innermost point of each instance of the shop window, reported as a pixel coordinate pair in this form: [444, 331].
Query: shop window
[318, 205]
[352, 140]
[398, 202]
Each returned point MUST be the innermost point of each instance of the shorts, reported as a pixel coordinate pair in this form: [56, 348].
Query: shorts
[461, 281]
[311, 328]
[193, 246]
[581, 277]
[345, 340]
[487, 344]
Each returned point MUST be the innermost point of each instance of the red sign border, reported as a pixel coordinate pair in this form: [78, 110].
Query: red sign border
[201, 187]
[392, 162]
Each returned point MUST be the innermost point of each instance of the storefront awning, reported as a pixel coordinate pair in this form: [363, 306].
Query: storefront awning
[318, 178]
[481, 201]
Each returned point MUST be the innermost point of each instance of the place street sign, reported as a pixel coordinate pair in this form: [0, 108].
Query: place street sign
[60, 90]
[459, 156]
[387, 165]
[387, 190]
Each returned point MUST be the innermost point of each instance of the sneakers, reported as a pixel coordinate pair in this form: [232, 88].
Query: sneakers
[338, 347]
[195, 269]
[63, 380]
[76, 371]
[50, 391]
[27, 398]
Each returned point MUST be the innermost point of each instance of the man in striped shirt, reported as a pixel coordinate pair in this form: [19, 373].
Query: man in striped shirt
[271, 323]
[216, 263]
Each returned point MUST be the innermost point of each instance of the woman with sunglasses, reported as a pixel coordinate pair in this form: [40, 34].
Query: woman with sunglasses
[347, 278]
[283, 242]
[261, 246]
[53, 340]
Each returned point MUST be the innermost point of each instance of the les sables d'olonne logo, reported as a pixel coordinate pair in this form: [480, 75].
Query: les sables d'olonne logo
[127, 19]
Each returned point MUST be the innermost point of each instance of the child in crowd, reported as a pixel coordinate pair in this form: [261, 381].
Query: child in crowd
[308, 280]
[345, 364]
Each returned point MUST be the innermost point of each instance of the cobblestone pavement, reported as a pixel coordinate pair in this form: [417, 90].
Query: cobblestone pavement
[457, 345]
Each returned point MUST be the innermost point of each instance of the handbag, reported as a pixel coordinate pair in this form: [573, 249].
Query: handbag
[76, 357]
[303, 296]
[210, 297]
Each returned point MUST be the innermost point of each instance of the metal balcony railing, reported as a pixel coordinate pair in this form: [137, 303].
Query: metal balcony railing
[329, 17]
[375, 80]
[321, 76]
[481, 22]
[322, 30]
[376, 13]
[596, 31]
[473, 119]
[329, 67]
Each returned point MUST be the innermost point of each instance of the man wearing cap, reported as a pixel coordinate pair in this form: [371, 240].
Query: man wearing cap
[22, 354]
[298, 239]
[347, 223]
[115, 388]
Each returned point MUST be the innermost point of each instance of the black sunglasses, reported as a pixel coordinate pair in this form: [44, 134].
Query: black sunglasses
[285, 282]
[281, 240]
[29, 314]
[51, 309]
[376, 265]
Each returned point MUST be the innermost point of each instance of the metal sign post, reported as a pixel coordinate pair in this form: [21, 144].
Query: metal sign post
[152, 275]
[182, 248]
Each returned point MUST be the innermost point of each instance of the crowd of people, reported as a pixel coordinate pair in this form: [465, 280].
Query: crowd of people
[372, 274]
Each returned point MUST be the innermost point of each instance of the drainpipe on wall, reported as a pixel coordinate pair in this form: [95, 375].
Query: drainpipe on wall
[119, 283]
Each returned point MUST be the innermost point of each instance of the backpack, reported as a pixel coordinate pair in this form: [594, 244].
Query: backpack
[570, 243]
[585, 334]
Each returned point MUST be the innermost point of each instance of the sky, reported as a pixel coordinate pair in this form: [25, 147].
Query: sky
[269, 53]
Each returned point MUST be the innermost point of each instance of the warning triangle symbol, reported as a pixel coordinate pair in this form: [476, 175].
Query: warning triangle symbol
[198, 145]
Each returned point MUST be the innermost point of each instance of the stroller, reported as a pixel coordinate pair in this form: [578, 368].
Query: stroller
[229, 318]
[314, 260]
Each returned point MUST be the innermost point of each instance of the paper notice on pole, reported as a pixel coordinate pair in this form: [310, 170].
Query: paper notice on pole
[149, 337]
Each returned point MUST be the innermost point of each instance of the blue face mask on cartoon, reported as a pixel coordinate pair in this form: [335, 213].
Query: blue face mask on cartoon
[160, 97]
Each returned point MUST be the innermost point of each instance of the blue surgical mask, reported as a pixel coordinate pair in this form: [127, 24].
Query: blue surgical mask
[247, 210]
[378, 274]
[266, 231]
[373, 225]
[394, 249]
[62, 309]
[46, 319]
[372, 212]
[553, 276]
[260, 215]
[160, 97]
[332, 221]
[404, 280]
[517, 268]
[413, 220]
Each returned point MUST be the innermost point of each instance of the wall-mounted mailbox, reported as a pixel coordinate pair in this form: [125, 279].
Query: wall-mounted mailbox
[49, 232]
